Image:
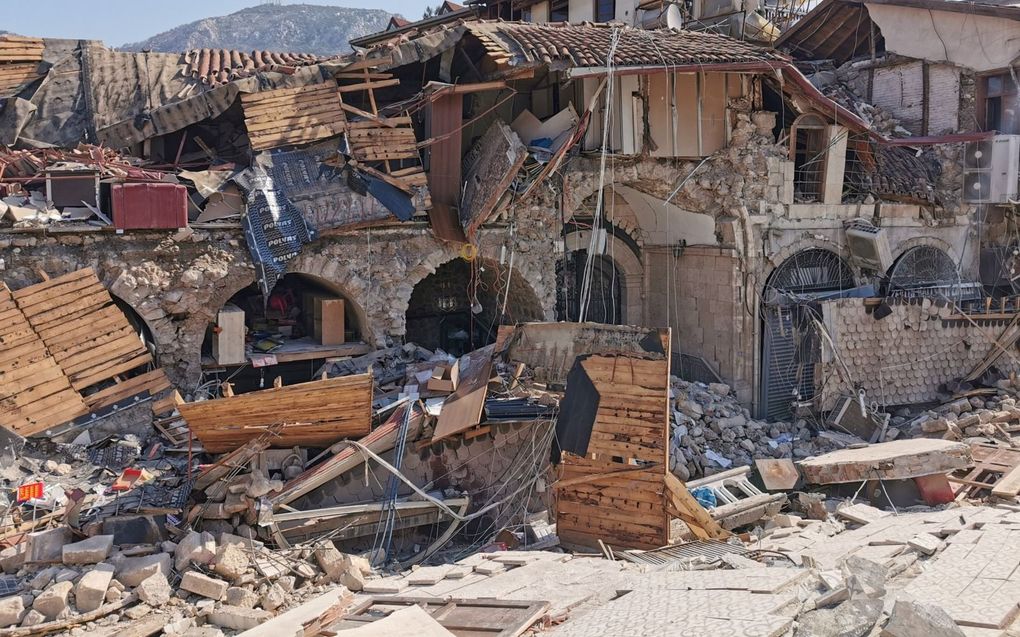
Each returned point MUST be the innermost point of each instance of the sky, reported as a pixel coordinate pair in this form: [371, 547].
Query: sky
[118, 22]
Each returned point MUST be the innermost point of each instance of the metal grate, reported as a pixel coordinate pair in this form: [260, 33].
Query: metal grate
[694, 369]
[812, 270]
[923, 267]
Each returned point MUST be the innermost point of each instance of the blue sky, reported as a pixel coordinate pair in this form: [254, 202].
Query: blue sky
[117, 22]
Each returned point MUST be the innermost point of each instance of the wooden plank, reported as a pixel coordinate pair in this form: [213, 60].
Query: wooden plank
[106, 372]
[53, 282]
[152, 382]
[364, 86]
[684, 506]
[268, 96]
[463, 409]
[317, 414]
[291, 108]
[1009, 486]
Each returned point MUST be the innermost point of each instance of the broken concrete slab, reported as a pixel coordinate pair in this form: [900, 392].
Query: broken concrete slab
[896, 460]
[853, 618]
[91, 550]
[925, 543]
[199, 548]
[914, 619]
[237, 618]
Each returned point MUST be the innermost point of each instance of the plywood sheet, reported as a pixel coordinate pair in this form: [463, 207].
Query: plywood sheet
[463, 409]
[315, 414]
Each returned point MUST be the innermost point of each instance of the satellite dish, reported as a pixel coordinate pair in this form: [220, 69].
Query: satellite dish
[668, 18]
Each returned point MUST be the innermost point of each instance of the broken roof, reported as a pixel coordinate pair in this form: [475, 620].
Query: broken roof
[589, 44]
[219, 66]
[839, 30]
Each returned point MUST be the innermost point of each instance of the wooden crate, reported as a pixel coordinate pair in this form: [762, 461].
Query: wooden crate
[228, 340]
[328, 322]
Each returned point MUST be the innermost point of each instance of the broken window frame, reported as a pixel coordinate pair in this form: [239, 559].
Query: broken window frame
[809, 184]
[995, 89]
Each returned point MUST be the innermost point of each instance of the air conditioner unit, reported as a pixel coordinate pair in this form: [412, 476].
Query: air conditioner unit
[869, 247]
[991, 170]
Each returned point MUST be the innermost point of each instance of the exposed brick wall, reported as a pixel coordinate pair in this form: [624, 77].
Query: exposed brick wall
[943, 99]
[899, 90]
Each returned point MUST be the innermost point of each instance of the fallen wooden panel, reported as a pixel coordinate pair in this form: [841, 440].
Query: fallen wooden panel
[14, 76]
[411, 620]
[896, 460]
[84, 331]
[992, 464]
[497, 158]
[35, 393]
[151, 383]
[462, 617]
[463, 409]
[291, 116]
[314, 414]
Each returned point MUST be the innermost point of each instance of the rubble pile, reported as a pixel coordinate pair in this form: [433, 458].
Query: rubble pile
[225, 581]
[994, 416]
[712, 432]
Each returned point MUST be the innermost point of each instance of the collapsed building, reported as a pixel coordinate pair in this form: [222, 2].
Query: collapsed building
[524, 274]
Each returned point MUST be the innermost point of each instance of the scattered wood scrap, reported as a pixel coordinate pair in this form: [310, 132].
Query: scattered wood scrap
[314, 414]
[996, 470]
[498, 618]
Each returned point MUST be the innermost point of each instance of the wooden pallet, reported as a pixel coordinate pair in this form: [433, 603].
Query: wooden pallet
[35, 393]
[293, 116]
[314, 414]
[87, 334]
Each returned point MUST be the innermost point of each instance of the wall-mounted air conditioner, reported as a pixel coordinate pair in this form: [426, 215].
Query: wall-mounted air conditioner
[869, 247]
[991, 170]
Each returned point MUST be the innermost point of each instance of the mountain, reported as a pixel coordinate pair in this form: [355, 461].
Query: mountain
[299, 28]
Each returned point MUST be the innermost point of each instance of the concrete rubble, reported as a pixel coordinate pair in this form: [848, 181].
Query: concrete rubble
[442, 336]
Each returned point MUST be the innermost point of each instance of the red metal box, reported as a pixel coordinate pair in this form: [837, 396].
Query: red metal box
[149, 206]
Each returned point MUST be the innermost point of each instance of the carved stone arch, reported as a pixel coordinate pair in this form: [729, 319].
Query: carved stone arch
[628, 264]
[333, 274]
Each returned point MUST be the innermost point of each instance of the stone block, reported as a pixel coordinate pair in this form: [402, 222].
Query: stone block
[154, 590]
[90, 592]
[231, 561]
[330, 560]
[12, 611]
[53, 601]
[204, 585]
[242, 597]
[132, 570]
[236, 618]
[925, 543]
[199, 548]
[47, 546]
[91, 550]
[135, 529]
[13, 558]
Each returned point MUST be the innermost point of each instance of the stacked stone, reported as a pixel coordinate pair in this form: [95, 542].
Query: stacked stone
[708, 421]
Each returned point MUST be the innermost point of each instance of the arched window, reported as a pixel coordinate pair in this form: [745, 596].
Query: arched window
[789, 345]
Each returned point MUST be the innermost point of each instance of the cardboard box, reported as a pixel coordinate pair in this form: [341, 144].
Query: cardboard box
[228, 338]
[444, 377]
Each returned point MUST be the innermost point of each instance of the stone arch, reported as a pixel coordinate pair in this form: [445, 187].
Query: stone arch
[442, 302]
[628, 264]
[787, 347]
[780, 256]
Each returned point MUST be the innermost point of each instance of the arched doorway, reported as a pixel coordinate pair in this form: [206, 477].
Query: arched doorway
[460, 306]
[605, 299]
[789, 345]
[138, 324]
[305, 320]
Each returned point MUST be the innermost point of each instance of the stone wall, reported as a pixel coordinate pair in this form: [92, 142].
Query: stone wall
[178, 282]
[906, 356]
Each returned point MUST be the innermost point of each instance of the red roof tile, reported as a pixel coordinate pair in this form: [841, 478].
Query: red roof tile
[219, 66]
[588, 44]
